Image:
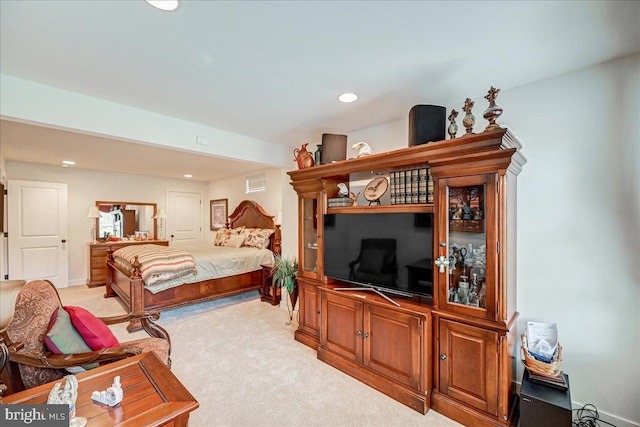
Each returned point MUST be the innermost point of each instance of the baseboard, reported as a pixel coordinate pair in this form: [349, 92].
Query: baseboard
[77, 282]
[604, 416]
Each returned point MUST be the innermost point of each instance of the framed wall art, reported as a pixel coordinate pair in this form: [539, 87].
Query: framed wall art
[218, 209]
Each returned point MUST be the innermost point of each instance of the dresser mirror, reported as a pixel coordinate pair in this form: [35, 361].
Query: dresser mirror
[124, 219]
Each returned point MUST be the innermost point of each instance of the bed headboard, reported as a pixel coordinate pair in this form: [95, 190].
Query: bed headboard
[251, 215]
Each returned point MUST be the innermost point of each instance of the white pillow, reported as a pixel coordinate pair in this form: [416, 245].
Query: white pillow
[235, 240]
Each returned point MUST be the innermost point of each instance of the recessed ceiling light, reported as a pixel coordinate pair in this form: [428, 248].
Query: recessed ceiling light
[68, 162]
[347, 97]
[167, 5]
[188, 176]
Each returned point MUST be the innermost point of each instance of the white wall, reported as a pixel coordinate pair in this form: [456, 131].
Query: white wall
[578, 220]
[32, 102]
[233, 189]
[85, 187]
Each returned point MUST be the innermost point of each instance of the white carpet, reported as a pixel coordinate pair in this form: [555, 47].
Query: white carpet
[240, 361]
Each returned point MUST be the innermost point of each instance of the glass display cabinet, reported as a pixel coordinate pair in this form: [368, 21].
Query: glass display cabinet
[309, 235]
[470, 284]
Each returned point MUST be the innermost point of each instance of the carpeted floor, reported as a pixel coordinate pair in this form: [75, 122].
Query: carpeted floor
[240, 361]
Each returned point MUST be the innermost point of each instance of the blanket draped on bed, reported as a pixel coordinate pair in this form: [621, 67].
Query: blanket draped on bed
[159, 263]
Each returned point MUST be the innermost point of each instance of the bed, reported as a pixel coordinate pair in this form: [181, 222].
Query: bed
[130, 287]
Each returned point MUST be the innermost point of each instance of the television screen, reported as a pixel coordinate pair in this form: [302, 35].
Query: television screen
[386, 251]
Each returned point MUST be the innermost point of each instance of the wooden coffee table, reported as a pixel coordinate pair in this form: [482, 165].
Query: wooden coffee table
[153, 396]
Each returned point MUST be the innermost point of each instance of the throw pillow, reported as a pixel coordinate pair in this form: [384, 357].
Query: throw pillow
[235, 240]
[256, 237]
[224, 234]
[62, 338]
[93, 331]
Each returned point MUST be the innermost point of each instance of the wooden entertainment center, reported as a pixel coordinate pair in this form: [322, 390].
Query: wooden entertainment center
[456, 351]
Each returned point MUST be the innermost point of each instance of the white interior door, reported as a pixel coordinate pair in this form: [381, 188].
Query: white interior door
[37, 225]
[184, 221]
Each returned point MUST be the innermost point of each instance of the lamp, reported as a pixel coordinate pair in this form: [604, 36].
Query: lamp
[161, 215]
[9, 290]
[95, 214]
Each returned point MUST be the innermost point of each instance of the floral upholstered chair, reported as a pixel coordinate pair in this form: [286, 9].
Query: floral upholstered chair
[41, 324]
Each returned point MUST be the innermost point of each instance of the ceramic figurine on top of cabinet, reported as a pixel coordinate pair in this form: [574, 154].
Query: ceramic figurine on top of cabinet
[469, 119]
[363, 149]
[303, 157]
[493, 112]
[453, 127]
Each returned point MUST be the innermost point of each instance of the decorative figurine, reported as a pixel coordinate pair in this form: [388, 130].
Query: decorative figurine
[303, 157]
[354, 197]
[317, 156]
[343, 191]
[469, 119]
[67, 396]
[111, 396]
[493, 112]
[453, 127]
[363, 149]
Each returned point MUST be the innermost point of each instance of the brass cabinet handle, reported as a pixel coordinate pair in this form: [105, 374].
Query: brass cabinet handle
[443, 356]
[358, 333]
[366, 335]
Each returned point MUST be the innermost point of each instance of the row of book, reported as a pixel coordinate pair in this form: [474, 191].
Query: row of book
[411, 186]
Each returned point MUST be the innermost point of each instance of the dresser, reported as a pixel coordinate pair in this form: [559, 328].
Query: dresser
[97, 274]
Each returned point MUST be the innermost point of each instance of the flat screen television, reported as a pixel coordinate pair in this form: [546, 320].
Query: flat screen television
[387, 252]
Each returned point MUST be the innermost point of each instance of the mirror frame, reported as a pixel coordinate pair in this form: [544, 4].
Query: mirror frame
[155, 212]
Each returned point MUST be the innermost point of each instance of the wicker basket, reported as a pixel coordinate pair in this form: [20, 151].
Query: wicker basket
[537, 366]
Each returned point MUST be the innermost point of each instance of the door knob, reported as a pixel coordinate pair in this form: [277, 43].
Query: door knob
[443, 356]
[358, 333]
[366, 335]
[64, 240]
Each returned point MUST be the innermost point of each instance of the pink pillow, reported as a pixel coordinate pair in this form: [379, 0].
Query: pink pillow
[93, 331]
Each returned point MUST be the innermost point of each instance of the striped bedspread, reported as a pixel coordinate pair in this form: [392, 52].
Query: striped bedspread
[160, 264]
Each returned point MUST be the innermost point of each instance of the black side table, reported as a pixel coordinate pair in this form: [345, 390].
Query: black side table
[541, 405]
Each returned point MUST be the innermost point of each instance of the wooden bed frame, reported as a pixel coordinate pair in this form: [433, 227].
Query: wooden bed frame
[130, 287]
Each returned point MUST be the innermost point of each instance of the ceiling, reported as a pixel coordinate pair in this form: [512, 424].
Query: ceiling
[273, 70]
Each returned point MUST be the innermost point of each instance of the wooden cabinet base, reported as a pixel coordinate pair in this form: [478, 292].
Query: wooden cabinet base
[307, 339]
[402, 394]
[466, 415]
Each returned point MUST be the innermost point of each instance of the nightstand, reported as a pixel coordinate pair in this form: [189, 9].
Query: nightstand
[269, 292]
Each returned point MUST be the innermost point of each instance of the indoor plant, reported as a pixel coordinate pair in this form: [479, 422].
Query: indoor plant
[283, 273]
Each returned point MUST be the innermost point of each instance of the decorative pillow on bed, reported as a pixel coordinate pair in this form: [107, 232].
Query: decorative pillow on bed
[224, 234]
[256, 237]
[235, 240]
[93, 331]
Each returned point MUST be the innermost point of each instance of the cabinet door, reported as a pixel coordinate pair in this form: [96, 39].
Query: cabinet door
[309, 308]
[468, 365]
[467, 237]
[342, 326]
[392, 344]
[309, 233]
